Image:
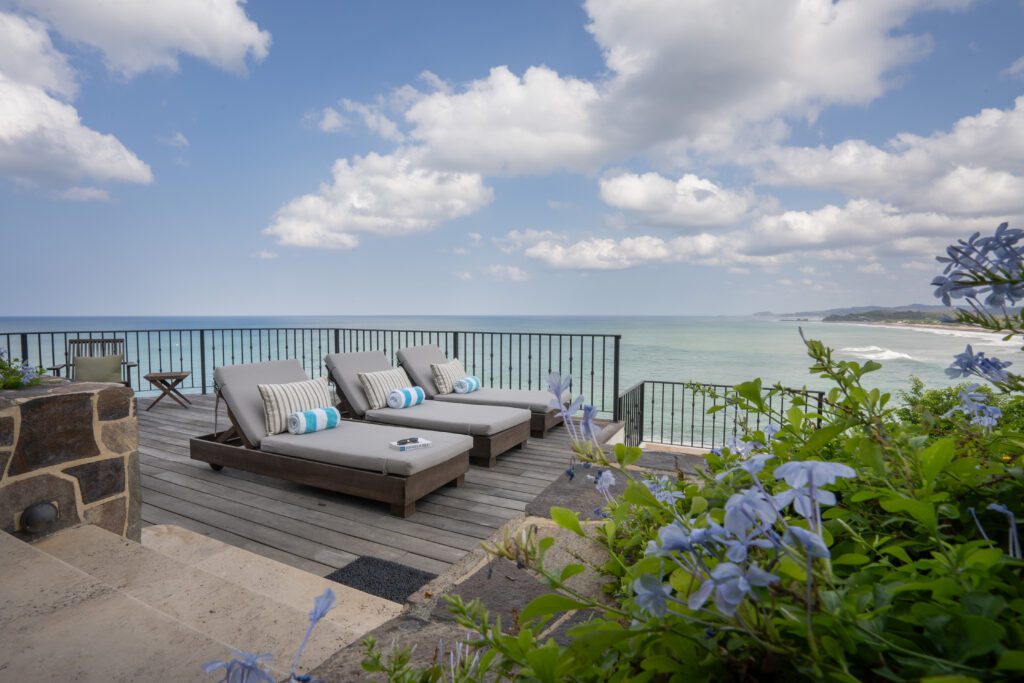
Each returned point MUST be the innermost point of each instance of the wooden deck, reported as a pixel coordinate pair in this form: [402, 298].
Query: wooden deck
[317, 530]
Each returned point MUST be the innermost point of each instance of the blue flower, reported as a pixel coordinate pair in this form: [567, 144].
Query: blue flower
[972, 403]
[664, 490]
[770, 430]
[558, 385]
[978, 364]
[730, 584]
[710, 535]
[603, 482]
[979, 266]
[570, 473]
[651, 595]
[672, 537]
[805, 501]
[1013, 542]
[321, 606]
[244, 667]
[752, 466]
[816, 473]
[587, 427]
[739, 547]
[811, 543]
[745, 509]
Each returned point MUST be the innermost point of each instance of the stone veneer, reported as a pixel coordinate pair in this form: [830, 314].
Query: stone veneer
[74, 444]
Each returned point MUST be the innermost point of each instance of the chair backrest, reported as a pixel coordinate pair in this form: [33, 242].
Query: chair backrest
[239, 386]
[417, 361]
[92, 348]
[344, 369]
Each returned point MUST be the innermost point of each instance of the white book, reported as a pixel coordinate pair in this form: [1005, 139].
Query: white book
[401, 448]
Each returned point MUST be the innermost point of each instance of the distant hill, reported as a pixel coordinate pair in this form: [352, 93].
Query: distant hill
[890, 316]
[851, 310]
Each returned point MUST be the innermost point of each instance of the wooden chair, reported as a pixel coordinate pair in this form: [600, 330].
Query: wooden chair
[94, 348]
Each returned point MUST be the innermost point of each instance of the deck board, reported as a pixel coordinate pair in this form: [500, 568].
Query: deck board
[317, 530]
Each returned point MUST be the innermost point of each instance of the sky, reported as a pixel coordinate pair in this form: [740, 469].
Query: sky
[614, 157]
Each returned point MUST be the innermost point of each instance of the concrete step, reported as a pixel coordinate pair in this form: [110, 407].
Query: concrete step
[221, 610]
[357, 612]
[58, 623]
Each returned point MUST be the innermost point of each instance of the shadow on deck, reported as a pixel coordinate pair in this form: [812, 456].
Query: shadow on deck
[319, 531]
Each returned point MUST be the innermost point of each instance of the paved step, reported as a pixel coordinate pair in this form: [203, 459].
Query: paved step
[357, 612]
[223, 611]
[58, 623]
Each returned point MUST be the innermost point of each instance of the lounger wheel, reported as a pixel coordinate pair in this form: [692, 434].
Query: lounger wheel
[215, 468]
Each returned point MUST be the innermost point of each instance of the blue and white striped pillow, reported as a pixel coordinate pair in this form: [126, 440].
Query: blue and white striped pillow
[466, 385]
[406, 397]
[308, 421]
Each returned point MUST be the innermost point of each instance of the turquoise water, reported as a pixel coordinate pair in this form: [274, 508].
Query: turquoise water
[722, 350]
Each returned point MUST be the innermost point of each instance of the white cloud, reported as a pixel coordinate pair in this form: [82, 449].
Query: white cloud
[84, 194]
[177, 140]
[689, 201]
[973, 168]
[602, 254]
[328, 120]
[41, 138]
[1015, 69]
[871, 268]
[28, 56]
[382, 194]
[506, 124]
[515, 240]
[475, 238]
[508, 273]
[137, 36]
[265, 255]
[376, 121]
[699, 70]
[460, 251]
[464, 276]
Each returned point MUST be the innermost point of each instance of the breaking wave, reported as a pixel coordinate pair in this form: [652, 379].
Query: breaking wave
[875, 353]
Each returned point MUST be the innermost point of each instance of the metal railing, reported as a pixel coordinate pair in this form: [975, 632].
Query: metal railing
[676, 413]
[510, 360]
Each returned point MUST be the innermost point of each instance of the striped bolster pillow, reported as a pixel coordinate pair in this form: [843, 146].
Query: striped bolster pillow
[466, 385]
[406, 398]
[308, 421]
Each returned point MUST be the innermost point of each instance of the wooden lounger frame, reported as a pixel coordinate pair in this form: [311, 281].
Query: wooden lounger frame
[486, 449]
[230, 448]
[542, 423]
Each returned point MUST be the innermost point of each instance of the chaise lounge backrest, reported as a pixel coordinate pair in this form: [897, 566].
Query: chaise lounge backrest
[345, 369]
[239, 386]
[417, 360]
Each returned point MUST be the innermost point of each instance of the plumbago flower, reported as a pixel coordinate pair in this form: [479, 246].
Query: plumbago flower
[731, 584]
[968, 364]
[805, 480]
[988, 266]
[972, 404]
[663, 490]
[651, 595]
[1013, 539]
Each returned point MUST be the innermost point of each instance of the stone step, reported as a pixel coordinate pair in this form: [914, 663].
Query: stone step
[58, 623]
[221, 610]
[357, 612]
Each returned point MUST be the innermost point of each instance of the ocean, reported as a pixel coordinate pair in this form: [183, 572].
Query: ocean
[721, 350]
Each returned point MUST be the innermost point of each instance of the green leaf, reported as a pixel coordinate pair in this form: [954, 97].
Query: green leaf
[852, 558]
[935, 458]
[950, 678]
[984, 557]
[569, 571]
[861, 496]
[698, 504]
[898, 552]
[660, 664]
[821, 437]
[752, 392]
[918, 509]
[638, 494]
[544, 662]
[1012, 660]
[552, 603]
[627, 455]
[567, 519]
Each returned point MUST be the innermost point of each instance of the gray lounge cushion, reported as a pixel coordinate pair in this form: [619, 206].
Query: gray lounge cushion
[533, 400]
[364, 446]
[453, 417]
[345, 369]
[417, 361]
[239, 386]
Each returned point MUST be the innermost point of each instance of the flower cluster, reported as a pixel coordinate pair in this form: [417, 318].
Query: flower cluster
[969, 364]
[721, 556]
[585, 433]
[979, 266]
[972, 404]
[15, 374]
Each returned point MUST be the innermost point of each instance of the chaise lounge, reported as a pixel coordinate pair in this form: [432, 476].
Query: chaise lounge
[495, 430]
[354, 458]
[543, 417]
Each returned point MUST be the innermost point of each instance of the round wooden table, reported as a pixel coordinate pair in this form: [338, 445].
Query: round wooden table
[167, 383]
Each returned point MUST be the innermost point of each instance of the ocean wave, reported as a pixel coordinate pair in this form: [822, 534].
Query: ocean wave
[875, 353]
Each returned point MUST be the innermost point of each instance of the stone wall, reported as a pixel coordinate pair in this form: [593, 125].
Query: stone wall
[74, 445]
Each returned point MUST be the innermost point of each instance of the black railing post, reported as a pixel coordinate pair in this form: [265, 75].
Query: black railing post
[337, 341]
[202, 357]
[455, 347]
[24, 348]
[616, 412]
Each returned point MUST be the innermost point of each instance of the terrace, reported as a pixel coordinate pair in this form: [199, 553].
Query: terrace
[193, 514]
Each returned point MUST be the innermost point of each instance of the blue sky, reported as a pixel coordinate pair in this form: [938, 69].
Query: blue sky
[188, 157]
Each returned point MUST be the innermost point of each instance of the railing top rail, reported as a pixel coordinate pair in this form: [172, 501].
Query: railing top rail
[803, 389]
[349, 329]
